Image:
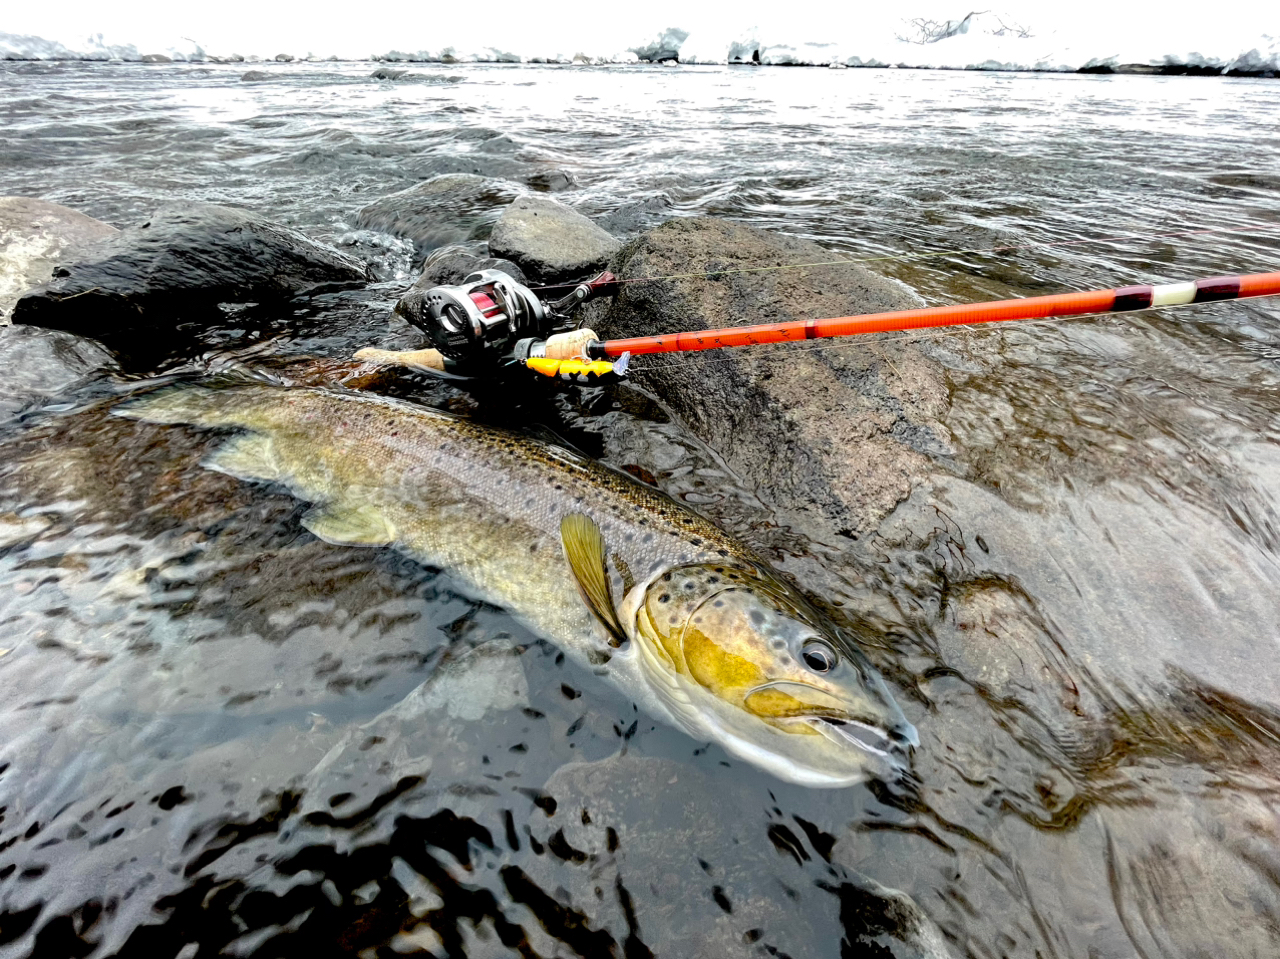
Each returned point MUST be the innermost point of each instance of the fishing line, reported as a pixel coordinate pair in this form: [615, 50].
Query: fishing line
[1257, 227]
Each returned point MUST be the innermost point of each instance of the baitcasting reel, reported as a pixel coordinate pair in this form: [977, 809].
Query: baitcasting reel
[489, 320]
[483, 317]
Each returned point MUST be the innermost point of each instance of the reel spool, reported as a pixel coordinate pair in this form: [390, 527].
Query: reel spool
[482, 317]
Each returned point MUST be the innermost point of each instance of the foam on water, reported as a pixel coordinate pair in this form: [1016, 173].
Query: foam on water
[1241, 35]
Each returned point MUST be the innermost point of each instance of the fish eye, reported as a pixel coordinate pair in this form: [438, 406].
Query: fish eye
[818, 656]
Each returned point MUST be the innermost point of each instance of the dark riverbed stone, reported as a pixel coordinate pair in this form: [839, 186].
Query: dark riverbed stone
[445, 209]
[550, 241]
[179, 266]
[835, 437]
[35, 235]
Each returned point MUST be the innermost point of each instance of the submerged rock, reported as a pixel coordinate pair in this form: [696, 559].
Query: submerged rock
[445, 209]
[34, 236]
[387, 73]
[42, 364]
[837, 434]
[179, 266]
[550, 241]
[255, 75]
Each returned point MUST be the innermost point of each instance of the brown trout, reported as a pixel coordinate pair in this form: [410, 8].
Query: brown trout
[682, 618]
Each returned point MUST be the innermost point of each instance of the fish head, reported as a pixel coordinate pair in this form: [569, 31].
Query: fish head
[739, 657]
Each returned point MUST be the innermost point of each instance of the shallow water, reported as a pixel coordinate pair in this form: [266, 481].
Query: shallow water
[220, 734]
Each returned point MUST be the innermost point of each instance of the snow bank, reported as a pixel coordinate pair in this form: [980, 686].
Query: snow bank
[1093, 35]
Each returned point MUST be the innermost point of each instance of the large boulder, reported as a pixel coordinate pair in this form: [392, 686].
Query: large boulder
[35, 236]
[833, 436]
[179, 266]
[550, 241]
[446, 209]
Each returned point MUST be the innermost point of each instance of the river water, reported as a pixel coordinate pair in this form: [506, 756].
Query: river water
[218, 734]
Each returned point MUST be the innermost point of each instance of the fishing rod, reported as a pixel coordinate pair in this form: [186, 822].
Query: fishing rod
[490, 321]
[1121, 300]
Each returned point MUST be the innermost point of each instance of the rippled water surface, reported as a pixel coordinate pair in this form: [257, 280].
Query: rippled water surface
[220, 735]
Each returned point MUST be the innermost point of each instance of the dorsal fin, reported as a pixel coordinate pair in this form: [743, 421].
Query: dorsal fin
[585, 549]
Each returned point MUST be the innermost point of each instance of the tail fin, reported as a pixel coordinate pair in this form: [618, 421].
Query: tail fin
[189, 403]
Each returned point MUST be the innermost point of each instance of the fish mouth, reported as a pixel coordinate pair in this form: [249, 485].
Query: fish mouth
[828, 715]
[860, 735]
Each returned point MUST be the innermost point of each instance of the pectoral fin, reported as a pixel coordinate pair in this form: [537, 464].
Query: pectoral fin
[344, 525]
[585, 549]
[249, 456]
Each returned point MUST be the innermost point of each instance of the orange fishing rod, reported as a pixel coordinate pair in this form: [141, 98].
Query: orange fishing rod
[1030, 308]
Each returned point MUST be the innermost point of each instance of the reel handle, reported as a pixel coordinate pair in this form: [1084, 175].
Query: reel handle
[606, 284]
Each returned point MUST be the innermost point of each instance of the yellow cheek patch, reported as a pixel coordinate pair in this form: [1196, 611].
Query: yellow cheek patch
[719, 671]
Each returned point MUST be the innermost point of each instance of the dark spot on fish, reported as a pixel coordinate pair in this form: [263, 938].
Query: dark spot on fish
[778, 644]
[696, 541]
[666, 577]
[171, 797]
[982, 543]
[575, 725]
[721, 899]
[512, 839]
[718, 602]
[533, 713]
[586, 818]
[751, 936]
[569, 692]
[713, 580]
[723, 552]
[611, 839]
[757, 617]
[518, 748]
[664, 598]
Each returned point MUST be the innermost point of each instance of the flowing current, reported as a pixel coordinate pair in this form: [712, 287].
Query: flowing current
[219, 735]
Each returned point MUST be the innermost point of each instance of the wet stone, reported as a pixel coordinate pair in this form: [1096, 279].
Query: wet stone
[449, 208]
[179, 266]
[835, 437]
[550, 241]
[42, 364]
[35, 236]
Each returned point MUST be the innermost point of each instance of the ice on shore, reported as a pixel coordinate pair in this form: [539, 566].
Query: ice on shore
[1097, 37]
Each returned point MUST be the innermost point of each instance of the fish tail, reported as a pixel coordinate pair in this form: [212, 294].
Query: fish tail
[191, 404]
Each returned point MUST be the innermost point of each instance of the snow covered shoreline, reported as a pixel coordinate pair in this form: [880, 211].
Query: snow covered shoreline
[977, 41]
